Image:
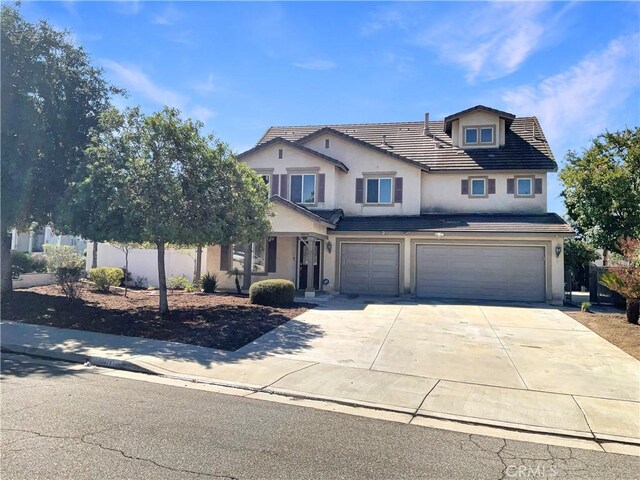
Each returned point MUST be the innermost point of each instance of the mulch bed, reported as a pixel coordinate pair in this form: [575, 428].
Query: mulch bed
[614, 328]
[223, 321]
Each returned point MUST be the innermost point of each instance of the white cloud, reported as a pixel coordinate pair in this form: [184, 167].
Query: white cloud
[132, 78]
[316, 65]
[208, 86]
[384, 18]
[578, 102]
[128, 7]
[201, 113]
[488, 40]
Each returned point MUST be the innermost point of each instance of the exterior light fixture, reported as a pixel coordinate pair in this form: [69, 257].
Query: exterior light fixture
[439, 235]
[329, 246]
[558, 250]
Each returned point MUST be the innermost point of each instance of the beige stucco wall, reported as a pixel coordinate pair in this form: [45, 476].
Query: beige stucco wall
[554, 264]
[267, 160]
[441, 194]
[285, 264]
[285, 220]
[362, 160]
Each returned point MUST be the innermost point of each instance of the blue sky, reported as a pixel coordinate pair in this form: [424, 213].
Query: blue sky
[241, 67]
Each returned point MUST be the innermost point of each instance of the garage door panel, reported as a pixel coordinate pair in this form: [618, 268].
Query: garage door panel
[369, 269]
[480, 272]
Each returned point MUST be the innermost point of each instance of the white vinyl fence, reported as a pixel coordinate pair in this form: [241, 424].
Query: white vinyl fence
[143, 262]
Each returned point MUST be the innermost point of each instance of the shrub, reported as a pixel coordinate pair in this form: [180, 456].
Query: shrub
[127, 279]
[585, 307]
[178, 282]
[67, 266]
[106, 277]
[273, 293]
[38, 263]
[20, 263]
[209, 283]
[62, 256]
[140, 282]
[625, 280]
[189, 288]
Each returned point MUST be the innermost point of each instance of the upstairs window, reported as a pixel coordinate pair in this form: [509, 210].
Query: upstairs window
[266, 178]
[524, 187]
[478, 187]
[479, 135]
[303, 188]
[379, 191]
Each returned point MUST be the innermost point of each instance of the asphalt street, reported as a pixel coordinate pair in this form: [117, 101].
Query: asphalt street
[61, 421]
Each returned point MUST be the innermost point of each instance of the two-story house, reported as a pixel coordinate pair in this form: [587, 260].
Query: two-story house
[442, 209]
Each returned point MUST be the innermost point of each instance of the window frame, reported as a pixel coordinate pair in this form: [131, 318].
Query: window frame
[478, 129]
[315, 187]
[485, 189]
[265, 243]
[516, 189]
[377, 178]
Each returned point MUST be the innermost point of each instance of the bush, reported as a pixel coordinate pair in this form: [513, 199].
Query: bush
[67, 266]
[106, 277]
[585, 307]
[62, 256]
[209, 283]
[178, 282]
[140, 282]
[38, 263]
[20, 263]
[273, 293]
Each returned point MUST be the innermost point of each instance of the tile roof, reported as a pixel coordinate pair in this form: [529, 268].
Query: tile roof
[485, 223]
[525, 148]
[332, 216]
[316, 217]
[298, 146]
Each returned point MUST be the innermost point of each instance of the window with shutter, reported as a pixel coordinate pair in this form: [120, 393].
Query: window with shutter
[398, 190]
[464, 187]
[272, 252]
[359, 190]
[321, 180]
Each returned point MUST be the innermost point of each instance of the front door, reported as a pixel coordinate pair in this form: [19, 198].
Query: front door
[303, 267]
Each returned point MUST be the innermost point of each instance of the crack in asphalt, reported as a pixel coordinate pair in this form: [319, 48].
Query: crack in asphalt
[553, 460]
[83, 439]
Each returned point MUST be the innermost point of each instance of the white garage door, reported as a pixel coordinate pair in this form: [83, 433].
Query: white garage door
[481, 272]
[368, 268]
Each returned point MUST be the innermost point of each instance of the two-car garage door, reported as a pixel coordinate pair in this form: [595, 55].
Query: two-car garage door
[480, 272]
[469, 272]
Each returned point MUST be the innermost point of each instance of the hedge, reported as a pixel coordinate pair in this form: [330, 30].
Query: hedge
[273, 293]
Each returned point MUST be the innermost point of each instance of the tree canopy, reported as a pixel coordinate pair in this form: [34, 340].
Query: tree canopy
[158, 179]
[52, 97]
[602, 188]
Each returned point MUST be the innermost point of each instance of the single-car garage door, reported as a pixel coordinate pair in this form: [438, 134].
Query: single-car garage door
[481, 272]
[369, 268]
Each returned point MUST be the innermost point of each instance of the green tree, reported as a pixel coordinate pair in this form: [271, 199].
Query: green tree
[167, 183]
[577, 255]
[51, 99]
[602, 188]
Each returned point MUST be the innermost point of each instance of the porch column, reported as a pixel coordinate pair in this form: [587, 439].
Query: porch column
[311, 245]
[30, 249]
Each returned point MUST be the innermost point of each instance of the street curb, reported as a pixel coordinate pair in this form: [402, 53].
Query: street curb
[472, 421]
[76, 358]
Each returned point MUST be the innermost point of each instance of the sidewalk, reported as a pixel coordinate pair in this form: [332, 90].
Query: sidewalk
[590, 418]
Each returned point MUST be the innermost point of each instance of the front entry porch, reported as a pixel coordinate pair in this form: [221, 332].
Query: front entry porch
[309, 264]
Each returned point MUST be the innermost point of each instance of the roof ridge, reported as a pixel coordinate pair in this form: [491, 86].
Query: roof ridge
[348, 124]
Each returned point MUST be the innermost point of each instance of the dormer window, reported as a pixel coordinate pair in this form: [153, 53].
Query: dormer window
[481, 135]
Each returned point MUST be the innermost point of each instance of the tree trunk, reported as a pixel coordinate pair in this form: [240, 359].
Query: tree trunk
[162, 280]
[196, 275]
[94, 255]
[633, 310]
[605, 258]
[246, 276]
[5, 267]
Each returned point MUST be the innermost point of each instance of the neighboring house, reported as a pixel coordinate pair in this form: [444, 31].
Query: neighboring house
[440, 209]
[34, 239]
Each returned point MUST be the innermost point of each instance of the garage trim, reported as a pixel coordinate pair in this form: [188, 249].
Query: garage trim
[484, 243]
[394, 241]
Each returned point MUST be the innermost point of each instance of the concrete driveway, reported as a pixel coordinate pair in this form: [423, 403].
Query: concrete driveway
[529, 365]
[524, 347]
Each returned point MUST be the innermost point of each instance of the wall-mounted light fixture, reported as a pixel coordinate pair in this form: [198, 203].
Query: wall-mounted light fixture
[558, 250]
[329, 246]
[439, 235]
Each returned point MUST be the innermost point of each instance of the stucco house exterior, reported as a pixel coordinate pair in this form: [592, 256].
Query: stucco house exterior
[455, 208]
